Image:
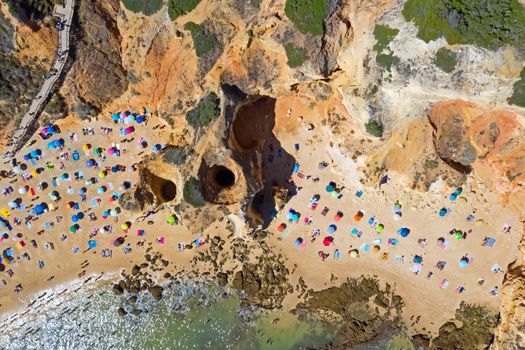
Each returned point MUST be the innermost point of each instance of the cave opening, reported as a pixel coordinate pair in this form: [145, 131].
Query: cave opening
[221, 177]
[224, 177]
[168, 191]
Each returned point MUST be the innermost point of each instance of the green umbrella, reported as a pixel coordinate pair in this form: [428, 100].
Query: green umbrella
[73, 228]
[171, 219]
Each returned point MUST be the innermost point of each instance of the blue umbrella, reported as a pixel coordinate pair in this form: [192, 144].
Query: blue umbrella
[89, 163]
[331, 229]
[139, 119]
[463, 263]
[74, 218]
[403, 232]
[39, 209]
[80, 215]
[442, 212]
[298, 242]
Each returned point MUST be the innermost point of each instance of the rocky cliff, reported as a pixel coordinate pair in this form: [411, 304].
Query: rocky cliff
[27, 50]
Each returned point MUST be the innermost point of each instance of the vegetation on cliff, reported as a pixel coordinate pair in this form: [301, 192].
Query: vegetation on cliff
[374, 128]
[489, 24]
[446, 60]
[31, 9]
[148, 7]
[384, 35]
[204, 40]
[307, 15]
[192, 193]
[518, 97]
[19, 81]
[205, 112]
[296, 55]
[178, 8]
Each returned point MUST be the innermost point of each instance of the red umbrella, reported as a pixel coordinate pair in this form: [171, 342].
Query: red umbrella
[328, 240]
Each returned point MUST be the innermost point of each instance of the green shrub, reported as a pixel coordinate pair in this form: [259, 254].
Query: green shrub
[489, 24]
[296, 55]
[307, 15]
[374, 128]
[446, 60]
[386, 61]
[178, 8]
[518, 96]
[203, 40]
[175, 155]
[32, 9]
[56, 105]
[205, 112]
[430, 164]
[384, 35]
[147, 7]
[192, 193]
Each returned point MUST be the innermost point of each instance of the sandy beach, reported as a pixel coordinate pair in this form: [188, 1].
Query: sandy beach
[431, 300]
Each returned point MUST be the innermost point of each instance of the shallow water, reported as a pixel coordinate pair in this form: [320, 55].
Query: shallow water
[190, 316]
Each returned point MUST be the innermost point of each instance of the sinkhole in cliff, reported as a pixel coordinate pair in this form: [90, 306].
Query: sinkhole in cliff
[221, 177]
[253, 123]
[168, 191]
[165, 190]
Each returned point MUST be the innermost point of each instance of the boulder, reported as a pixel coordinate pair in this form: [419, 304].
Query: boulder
[156, 292]
[121, 312]
[117, 289]
[222, 279]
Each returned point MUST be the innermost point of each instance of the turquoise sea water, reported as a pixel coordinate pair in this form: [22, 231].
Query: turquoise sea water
[190, 316]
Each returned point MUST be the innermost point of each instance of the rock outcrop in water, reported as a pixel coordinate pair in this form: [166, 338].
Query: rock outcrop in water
[361, 309]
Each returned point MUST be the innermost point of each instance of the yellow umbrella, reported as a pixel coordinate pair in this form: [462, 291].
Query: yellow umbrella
[5, 213]
[102, 174]
[34, 173]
